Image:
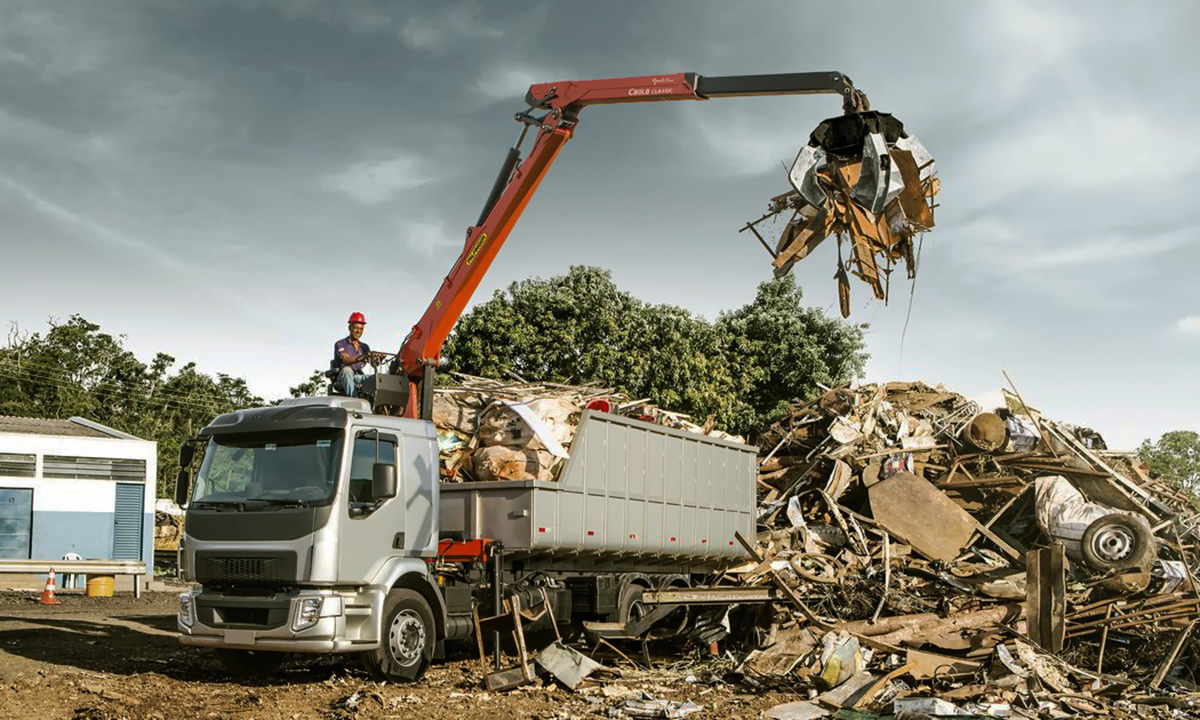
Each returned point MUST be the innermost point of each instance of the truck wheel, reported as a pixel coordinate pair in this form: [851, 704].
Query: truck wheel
[251, 664]
[1116, 542]
[629, 604]
[408, 637]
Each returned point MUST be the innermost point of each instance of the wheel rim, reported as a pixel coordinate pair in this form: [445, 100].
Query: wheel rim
[1114, 543]
[406, 637]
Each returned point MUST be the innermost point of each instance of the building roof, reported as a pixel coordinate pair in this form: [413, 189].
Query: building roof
[74, 427]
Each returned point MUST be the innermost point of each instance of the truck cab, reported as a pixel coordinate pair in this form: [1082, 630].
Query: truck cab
[309, 529]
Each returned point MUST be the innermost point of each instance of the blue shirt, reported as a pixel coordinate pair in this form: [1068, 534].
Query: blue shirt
[346, 346]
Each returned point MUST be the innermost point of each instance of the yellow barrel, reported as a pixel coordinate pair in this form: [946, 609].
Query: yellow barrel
[100, 585]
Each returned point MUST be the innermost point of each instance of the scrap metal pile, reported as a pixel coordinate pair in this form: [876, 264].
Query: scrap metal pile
[864, 180]
[492, 430]
[934, 556]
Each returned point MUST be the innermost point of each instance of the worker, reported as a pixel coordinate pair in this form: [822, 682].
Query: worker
[350, 354]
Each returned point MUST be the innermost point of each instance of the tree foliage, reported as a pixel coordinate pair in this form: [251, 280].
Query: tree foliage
[1175, 458]
[74, 369]
[742, 369]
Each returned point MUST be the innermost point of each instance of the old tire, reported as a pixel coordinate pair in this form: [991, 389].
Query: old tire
[250, 664]
[408, 636]
[1116, 542]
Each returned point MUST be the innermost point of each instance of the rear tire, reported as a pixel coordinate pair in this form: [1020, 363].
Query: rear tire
[251, 664]
[408, 636]
[629, 604]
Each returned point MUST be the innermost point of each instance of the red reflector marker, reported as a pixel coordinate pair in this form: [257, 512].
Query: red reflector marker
[591, 532]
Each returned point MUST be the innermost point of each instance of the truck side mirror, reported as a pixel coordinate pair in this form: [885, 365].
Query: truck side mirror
[181, 488]
[186, 452]
[383, 481]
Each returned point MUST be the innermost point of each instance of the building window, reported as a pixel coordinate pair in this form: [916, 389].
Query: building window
[13, 465]
[86, 468]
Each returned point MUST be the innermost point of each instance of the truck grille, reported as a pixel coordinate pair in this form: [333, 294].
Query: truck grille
[273, 568]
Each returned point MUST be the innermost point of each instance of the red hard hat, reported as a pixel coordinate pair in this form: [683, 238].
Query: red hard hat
[357, 318]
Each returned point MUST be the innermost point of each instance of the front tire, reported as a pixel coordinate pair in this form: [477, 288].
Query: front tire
[406, 645]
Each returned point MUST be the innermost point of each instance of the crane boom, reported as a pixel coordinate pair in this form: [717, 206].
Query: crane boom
[516, 184]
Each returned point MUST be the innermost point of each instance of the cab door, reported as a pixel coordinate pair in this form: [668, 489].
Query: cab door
[372, 530]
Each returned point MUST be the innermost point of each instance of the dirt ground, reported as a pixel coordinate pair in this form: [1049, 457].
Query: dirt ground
[108, 658]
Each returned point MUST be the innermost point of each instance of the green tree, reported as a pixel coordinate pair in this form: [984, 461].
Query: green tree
[783, 350]
[580, 328]
[75, 369]
[1175, 458]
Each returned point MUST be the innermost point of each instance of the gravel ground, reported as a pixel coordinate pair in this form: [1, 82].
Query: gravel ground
[102, 658]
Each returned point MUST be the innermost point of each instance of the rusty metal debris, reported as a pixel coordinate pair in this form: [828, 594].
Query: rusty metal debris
[984, 555]
[918, 553]
[862, 179]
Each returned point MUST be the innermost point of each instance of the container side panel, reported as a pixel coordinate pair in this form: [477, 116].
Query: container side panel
[689, 539]
[673, 527]
[547, 511]
[656, 461]
[635, 463]
[654, 527]
[593, 521]
[689, 473]
[704, 474]
[635, 528]
[571, 520]
[616, 537]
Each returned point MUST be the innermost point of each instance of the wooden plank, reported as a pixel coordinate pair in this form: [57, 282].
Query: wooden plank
[1173, 653]
[1046, 597]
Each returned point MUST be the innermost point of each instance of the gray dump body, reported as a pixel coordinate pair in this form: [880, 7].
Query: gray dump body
[630, 491]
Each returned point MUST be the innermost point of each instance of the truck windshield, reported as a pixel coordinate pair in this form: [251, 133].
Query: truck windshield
[248, 471]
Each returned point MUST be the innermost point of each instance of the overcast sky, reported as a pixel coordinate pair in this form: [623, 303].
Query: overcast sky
[227, 181]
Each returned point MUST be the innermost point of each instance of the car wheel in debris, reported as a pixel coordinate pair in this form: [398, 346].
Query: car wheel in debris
[408, 638]
[1115, 542]
[250, 664]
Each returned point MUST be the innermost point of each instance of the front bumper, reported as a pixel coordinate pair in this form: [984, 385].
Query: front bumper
[221, 619]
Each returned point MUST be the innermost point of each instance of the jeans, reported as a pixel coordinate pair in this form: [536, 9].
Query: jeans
[348, 381]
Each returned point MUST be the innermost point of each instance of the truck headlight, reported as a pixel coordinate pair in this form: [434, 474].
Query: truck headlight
[311, 610]
[187, 615]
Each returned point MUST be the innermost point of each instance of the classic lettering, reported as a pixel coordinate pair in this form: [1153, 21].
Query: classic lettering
[651, 91]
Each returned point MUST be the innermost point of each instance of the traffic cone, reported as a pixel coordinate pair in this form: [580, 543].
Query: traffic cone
[48, 594]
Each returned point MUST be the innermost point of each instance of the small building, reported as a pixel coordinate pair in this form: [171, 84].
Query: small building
[75, 486]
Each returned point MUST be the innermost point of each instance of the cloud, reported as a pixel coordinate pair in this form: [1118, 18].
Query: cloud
[434, 28]
[510, 82]
[426, 238]
[441, 32]
[376, 182]
[1081, 147]
[1189, 325]
[1042, 259]
[92, 230]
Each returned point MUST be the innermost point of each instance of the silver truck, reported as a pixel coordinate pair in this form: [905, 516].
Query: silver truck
[317, 526]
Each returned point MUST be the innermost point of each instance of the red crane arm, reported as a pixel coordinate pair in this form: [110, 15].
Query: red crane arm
[516, 185]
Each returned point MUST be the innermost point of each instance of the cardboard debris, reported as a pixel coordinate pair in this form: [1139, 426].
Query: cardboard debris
[490, 430]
